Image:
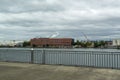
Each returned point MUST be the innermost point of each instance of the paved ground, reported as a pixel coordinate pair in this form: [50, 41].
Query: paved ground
[24, 71]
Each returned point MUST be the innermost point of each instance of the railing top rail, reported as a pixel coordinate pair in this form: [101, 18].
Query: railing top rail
[63, 50]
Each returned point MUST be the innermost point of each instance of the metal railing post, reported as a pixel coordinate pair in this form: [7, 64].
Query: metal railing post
[112, 60]
[43, 57]
[32, 55]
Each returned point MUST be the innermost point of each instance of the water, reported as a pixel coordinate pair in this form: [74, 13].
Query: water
[71, 49]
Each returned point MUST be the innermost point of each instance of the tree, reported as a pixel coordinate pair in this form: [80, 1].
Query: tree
[88, 44]
[96, 44]
[26, 43]
[102, 43]
[99, 44]
[77, 42]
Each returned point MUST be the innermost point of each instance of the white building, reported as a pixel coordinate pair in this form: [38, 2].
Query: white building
[10, 43]
[116, 42]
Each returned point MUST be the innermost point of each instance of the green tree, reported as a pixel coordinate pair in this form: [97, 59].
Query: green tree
[102, 43]
[99, 44]
[77, 42]
[96, 44]
[88, 44]
[26, 43]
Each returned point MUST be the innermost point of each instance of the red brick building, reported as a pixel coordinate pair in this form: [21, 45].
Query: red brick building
[52, 42]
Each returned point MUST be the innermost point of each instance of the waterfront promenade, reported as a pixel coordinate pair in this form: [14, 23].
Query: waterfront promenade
[25, 71]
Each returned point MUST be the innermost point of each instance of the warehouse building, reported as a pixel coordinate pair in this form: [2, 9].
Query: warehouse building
[52, 42]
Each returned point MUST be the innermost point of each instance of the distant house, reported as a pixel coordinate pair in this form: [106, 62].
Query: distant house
[108, 43]
[52, 42]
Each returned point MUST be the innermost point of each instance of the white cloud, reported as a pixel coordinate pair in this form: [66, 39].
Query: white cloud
[29, 18]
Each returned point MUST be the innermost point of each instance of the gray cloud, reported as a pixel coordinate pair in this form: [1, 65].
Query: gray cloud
[25, 19]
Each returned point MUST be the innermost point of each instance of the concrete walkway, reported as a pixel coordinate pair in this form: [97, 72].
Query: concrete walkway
[25, 71]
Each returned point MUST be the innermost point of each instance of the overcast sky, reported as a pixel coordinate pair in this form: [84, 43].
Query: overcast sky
[26, 19]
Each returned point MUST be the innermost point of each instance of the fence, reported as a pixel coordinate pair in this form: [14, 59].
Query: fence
[105, 59]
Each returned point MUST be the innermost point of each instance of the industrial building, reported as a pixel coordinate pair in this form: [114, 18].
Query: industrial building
[52, 42]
